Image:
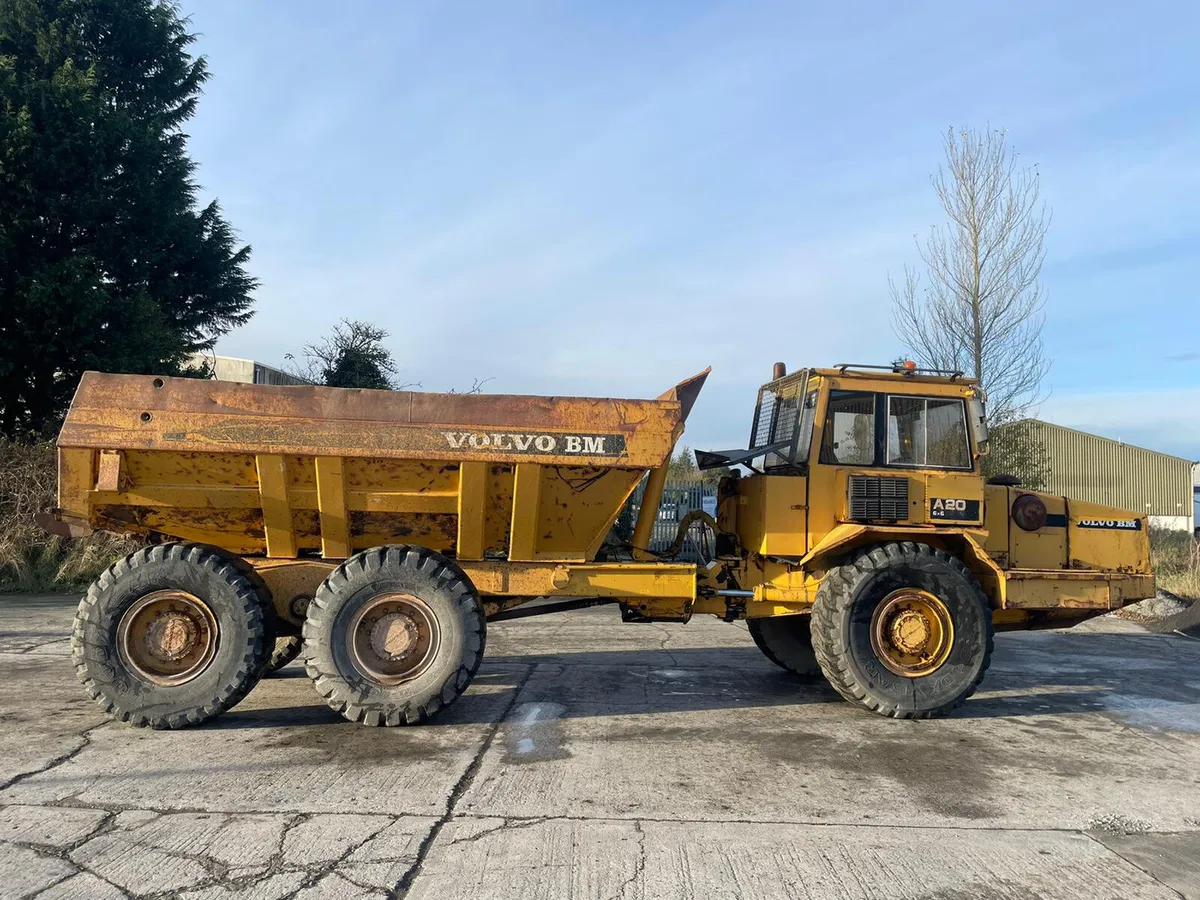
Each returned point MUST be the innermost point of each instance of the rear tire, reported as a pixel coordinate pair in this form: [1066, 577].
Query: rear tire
[787, 642]
[287, 648]
[394, 634]
[903, 630]
[170, 636]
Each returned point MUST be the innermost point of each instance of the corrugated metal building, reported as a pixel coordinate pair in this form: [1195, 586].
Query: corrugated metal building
[1101, 470]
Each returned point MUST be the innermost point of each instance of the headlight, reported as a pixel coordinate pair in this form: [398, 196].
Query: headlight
[1029, 512]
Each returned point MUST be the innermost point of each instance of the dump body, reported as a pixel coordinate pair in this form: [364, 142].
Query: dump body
[286, 471]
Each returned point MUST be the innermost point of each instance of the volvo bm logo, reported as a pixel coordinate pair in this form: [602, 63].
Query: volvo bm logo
[523, 442]
[1115, 524]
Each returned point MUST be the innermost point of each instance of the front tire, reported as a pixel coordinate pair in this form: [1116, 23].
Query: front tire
[170, 636]
[787, 642]
[394, 634]
[902, 629]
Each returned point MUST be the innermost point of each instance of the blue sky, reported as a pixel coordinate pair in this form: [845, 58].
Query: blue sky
[604, 198]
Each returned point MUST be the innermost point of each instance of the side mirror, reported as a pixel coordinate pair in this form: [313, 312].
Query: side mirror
[979, 424]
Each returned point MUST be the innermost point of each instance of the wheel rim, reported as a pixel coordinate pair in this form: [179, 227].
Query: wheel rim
[167, 637]
[393, 638]
[912, 632]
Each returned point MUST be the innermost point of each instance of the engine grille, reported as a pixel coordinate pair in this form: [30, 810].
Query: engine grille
[878, 497]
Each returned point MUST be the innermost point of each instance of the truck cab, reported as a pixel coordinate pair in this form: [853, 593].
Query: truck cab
[848, 456]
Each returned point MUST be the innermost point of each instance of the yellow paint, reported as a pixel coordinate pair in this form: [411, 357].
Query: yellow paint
[912, 632]
[771, 515]
[651, 499]
[1045, 548]
[1100, 548]
[331, 505]
[527, 499]
[76, 483]
[109, 475]
[1031, 589]
[287, 579]
[276, 508]
[472, 484]
[674, 582]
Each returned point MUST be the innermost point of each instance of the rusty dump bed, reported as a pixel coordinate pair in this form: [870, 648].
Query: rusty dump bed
[291, 471]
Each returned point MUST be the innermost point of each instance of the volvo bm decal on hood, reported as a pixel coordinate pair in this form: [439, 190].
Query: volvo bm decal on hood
[1118, 524]
[525, 442]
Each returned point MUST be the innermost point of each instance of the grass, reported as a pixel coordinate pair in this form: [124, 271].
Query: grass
[1175, 558]
[30, 559]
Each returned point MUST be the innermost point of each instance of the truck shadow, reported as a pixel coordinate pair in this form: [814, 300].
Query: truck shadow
[1032, 674]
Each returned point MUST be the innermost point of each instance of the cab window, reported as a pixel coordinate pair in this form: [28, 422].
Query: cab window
[927, 432]
[848, 438]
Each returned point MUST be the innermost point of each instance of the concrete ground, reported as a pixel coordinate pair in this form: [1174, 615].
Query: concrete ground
[597, 760]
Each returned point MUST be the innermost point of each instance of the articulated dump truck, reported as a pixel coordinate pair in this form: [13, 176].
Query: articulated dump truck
[377, 532]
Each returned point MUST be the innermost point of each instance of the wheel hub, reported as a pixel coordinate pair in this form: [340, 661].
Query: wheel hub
[912, 632]
[171, 637]
[167, 637]
[393, 638]
[909, 631]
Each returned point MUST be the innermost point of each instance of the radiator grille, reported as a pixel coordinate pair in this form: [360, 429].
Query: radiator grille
[878, 497]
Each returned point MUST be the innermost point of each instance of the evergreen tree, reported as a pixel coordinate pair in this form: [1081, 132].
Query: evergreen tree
[107, 259]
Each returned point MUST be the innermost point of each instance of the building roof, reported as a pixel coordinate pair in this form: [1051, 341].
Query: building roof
[1117, 441]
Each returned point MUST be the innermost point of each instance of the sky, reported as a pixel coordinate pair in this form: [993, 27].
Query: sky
[605, 198]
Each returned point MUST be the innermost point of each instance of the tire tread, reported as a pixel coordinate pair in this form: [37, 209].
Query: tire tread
[831, 640]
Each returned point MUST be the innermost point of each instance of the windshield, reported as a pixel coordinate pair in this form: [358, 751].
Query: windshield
[796, 419]
[784, 415]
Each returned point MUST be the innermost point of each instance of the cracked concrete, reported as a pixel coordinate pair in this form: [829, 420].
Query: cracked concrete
[609, 762]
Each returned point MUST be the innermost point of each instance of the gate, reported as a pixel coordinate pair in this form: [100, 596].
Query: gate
[680, 497]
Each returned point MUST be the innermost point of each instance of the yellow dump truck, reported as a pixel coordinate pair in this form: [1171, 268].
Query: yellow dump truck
[386, 528]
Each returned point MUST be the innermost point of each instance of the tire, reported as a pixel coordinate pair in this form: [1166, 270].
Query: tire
[426, 594]
[787, 642]
[114, 655]
[286, 649]
[849, 617]
[271, 629]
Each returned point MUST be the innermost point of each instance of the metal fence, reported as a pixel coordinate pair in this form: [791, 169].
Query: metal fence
[679, 498]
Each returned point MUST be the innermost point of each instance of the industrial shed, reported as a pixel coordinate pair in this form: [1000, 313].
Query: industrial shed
[1102, 470]
[230, 368]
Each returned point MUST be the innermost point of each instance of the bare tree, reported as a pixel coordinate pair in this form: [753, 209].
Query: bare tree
[475, 388]
[352, 356]
[980, 309]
